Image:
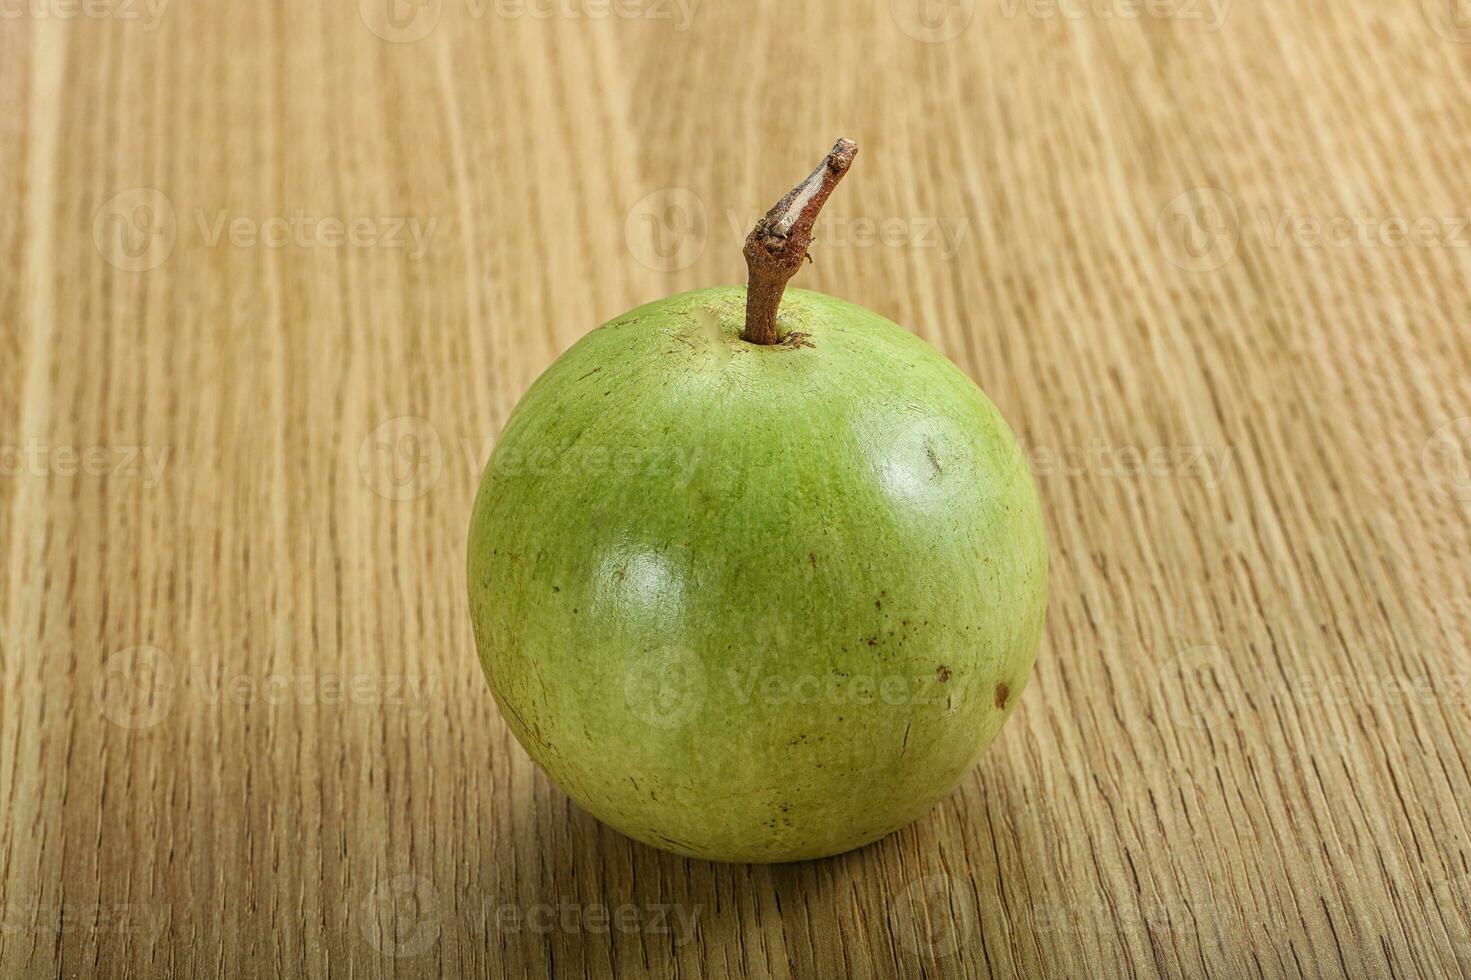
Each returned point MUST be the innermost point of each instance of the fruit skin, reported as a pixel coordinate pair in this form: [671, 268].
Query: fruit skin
[756, 603]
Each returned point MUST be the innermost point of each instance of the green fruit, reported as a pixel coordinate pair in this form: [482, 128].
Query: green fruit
[756, 602]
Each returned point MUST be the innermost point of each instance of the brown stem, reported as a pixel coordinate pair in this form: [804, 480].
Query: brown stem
[778, 244]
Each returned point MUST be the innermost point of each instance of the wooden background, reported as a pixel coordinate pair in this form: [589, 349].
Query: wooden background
[1212, 266]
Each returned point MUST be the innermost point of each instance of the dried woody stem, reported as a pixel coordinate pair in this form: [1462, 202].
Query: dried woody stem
[778, 244]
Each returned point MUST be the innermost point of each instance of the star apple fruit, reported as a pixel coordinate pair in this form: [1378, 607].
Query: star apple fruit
[756, 574]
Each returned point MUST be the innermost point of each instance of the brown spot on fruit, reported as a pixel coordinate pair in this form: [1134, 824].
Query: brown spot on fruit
[934, 459]
[1003, 694]
[943, 673]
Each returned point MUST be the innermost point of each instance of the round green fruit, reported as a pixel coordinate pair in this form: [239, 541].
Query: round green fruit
[756, 601]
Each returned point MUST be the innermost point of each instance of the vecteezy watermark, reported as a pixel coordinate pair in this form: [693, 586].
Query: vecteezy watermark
[401, 21]
[301, 230]
[138, 687]
[838, 688]
[1446, 458]
[400, 917]
[574, 917]
[1452, 898]
[406, 21]
[933, 21]
[404, 458]
[39, 459]
[671, 464]
[668, 687]
[934, 916]
[1197, 688]
[666, 230]
[405, 916]
[327, 688]
[1199, 920]
[1390, 690]
[862, 231]
[1451, 19]
[1207, 464]
[38, 918]
[1363, 229]
[678, 13]
[1198, 229]
[401, 459]
[135, 230]
[147, 13]
[1200, 687]
[1211, 13]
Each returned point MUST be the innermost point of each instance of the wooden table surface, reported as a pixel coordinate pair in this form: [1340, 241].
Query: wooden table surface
[273, 275]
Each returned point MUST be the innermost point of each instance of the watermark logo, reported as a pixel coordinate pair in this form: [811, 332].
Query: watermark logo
[1451, 19]
[405, 917]
[1452, 898]
[1211, 12]
[1156, 918]
[680, 12]
[1363, 229]
[136, 687]
[669, 687]
[933, 21]
[301, 230]
[406, 21]
[1386, 690]
[666, 231]
[35, 458]
[148, 12]
[1198, 229]
[1446, 458]
[400, 917]
[401, 459]
[1208, 464]
[410, 692]
[1202, 686]
[404, 458]
[665, 688]
[673, 464]
[135, 229]
[1196, 688]
[39, 918]
[573, 917]
[944, 235]
[401, 21]
[934, 916]
[940, 686]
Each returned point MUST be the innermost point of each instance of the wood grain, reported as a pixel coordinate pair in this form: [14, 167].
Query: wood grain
[243, 731]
